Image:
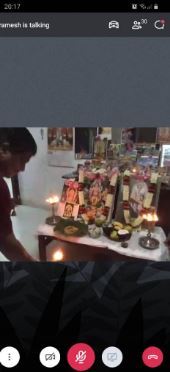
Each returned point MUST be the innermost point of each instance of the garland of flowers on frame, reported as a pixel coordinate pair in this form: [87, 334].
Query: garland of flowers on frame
[110, 197]
[147, 202]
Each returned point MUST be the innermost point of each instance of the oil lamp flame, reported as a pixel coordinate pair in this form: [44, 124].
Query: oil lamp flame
[58, 255]
[150, 217]
[53, 199]
[53, 219]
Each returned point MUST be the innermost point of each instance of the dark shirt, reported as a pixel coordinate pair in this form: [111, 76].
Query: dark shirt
[5, 210]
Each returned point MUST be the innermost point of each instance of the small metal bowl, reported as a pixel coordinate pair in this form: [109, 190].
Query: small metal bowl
[107, 230]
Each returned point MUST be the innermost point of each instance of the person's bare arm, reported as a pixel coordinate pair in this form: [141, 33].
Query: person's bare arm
[14, 250]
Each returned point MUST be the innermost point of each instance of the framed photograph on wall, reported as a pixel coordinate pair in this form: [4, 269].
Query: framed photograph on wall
[60, 139]
[84, 142]
[105, 132]
[163, 135]
[60, 147]
[128, 138]
[146, 135]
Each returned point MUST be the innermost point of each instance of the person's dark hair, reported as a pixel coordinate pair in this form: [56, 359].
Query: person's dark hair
[18, 140]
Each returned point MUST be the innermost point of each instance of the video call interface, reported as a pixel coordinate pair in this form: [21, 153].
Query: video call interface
[84, 186]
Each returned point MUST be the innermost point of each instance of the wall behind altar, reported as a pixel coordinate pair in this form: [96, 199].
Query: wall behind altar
[39, 180]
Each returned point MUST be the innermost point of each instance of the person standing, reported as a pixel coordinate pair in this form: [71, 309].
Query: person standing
[17, 146]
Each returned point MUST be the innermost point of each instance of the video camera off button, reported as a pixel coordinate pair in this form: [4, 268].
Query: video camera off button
[49, 357]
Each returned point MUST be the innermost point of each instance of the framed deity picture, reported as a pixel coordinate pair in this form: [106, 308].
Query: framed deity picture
[68, 210]
[136, 195]
[138, 191]
[97, 195]
[70, 191]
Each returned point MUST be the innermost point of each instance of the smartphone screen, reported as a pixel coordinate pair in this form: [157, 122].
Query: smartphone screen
[84, 186]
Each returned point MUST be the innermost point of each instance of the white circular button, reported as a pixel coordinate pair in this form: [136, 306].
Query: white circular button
[9, 357]
[49, 357]
[112, 357]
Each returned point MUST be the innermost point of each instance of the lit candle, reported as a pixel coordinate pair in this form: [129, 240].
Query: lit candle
[151, 218]
[53, 199]
[155, 217]
[134, 170]
[58, 255]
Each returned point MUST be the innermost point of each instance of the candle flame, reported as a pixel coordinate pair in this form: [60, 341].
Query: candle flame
[53, 199]
[150, 217]
[155, 217]
[58, 255]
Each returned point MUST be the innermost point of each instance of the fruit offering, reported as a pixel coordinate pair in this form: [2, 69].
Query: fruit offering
[99, 221]
[114, 235]
[123, 234]
[117, 231]
[117, 225]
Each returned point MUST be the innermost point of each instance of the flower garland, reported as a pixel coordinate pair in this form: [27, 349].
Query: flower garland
[72, 184]
[147, 202]
[109, 204]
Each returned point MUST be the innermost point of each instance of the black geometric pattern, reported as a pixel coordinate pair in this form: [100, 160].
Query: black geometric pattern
[105, 304]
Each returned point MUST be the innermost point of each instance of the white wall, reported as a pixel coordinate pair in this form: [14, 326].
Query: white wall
[39, 180]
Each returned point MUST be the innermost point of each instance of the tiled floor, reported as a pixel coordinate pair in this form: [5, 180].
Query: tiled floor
[25, 225]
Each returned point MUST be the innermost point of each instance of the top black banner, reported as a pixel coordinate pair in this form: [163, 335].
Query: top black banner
[83, 6]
